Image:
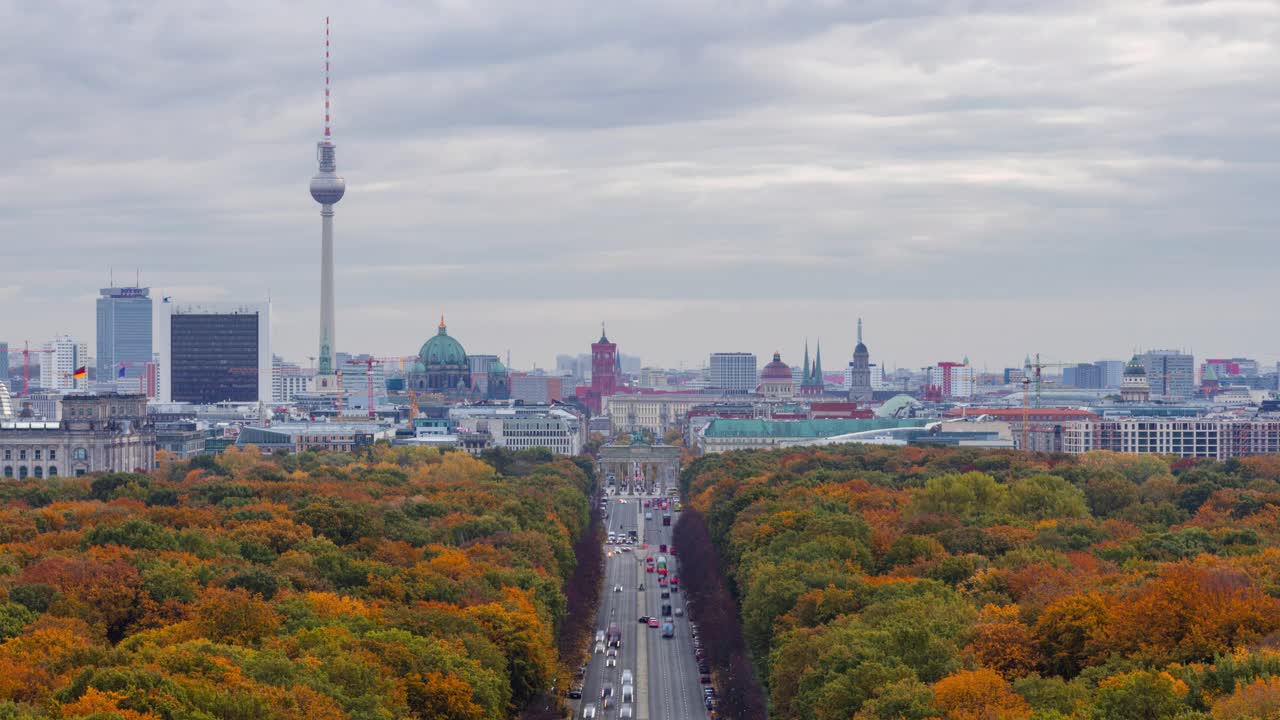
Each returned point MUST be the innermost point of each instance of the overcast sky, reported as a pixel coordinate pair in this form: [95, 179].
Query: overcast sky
[1078, 178]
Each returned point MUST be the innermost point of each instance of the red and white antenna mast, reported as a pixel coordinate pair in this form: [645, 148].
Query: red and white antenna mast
[326, 77]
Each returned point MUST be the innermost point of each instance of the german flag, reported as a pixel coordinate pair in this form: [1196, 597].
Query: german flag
[81, 373]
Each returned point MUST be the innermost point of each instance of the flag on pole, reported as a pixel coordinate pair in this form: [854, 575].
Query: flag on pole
[121, 373]
[81, 373]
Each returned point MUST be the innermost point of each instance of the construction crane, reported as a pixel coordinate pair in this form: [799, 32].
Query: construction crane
[26, 368]
[1037, 369]
[1026, 413]
[1034, 375]
[369, 363]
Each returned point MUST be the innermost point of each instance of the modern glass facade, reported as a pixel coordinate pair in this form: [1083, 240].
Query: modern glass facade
[1170, 374]
[214, 357]
[124, 333]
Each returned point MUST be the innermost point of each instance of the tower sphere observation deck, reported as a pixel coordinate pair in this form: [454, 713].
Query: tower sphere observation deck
[327, 187]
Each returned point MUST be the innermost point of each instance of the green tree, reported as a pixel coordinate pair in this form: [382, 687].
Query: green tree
[1109, 493]
[1040, 497]
[1140, 694]
[966, 496]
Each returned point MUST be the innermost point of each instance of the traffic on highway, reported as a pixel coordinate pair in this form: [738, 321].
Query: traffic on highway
[646, 659]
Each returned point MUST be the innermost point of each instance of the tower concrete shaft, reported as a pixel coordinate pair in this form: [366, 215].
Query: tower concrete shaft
[328, 329]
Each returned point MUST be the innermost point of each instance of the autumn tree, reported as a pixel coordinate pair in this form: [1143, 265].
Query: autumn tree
[234, 616]
[978, 695]
[1000, 641]
[1072, 633]
[1190, 613]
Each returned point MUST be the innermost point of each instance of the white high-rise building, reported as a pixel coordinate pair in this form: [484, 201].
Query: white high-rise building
[734, 371]
[59, 361]
[288, 379]
[956, 380]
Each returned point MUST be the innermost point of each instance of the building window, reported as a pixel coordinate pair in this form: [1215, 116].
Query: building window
[22, 454]
[38, 455]
[53, 454]
[79, 472]
[22, 472]
[39, 471]
[80, 454]
[53, 471]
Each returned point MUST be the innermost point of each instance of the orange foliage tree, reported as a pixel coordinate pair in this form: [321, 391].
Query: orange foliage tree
[979, 695]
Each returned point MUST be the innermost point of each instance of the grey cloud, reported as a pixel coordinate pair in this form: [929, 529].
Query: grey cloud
[827, 154]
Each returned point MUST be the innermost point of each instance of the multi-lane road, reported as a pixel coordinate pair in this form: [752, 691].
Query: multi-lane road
[666, 676]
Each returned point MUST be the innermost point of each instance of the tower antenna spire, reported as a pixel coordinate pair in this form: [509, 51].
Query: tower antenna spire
[326, 78]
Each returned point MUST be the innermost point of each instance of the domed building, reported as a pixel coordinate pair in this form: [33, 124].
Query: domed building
[1134, 387]
[776, 380]
[442, 366]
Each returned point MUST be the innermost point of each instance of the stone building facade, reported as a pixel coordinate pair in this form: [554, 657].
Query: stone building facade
[97, 433]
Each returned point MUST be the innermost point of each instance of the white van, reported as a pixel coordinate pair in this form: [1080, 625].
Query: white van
[628, 694]
[599, 636]
[589, 711]
[626, 677]
[625, 713]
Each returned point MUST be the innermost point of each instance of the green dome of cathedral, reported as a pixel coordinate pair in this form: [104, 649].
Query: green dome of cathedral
[442, 350]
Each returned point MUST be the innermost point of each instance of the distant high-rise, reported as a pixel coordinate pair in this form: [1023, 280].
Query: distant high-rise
[288, 380]
[215, 352]
[952, 379]
[4, 362]
[59, 363]
[734, 371]
[358, 375]
[1171, 374]
[1112, 372]
[124, 337]
[327, 188]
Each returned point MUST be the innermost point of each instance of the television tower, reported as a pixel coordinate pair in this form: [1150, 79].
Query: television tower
[327, 188]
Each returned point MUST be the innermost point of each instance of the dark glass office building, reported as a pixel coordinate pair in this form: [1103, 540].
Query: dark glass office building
[214, 357]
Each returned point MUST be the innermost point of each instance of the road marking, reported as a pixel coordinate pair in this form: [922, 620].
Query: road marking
[642, 643]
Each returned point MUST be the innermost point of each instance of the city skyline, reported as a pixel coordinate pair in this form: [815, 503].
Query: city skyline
[703, 185]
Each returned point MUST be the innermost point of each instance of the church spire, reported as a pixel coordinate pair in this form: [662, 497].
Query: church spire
[804, 378]
[817, 367]
[859, 331]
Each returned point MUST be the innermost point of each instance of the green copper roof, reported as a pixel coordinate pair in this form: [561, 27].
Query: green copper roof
[442, 350]
[730, 427]
[1135, 368]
